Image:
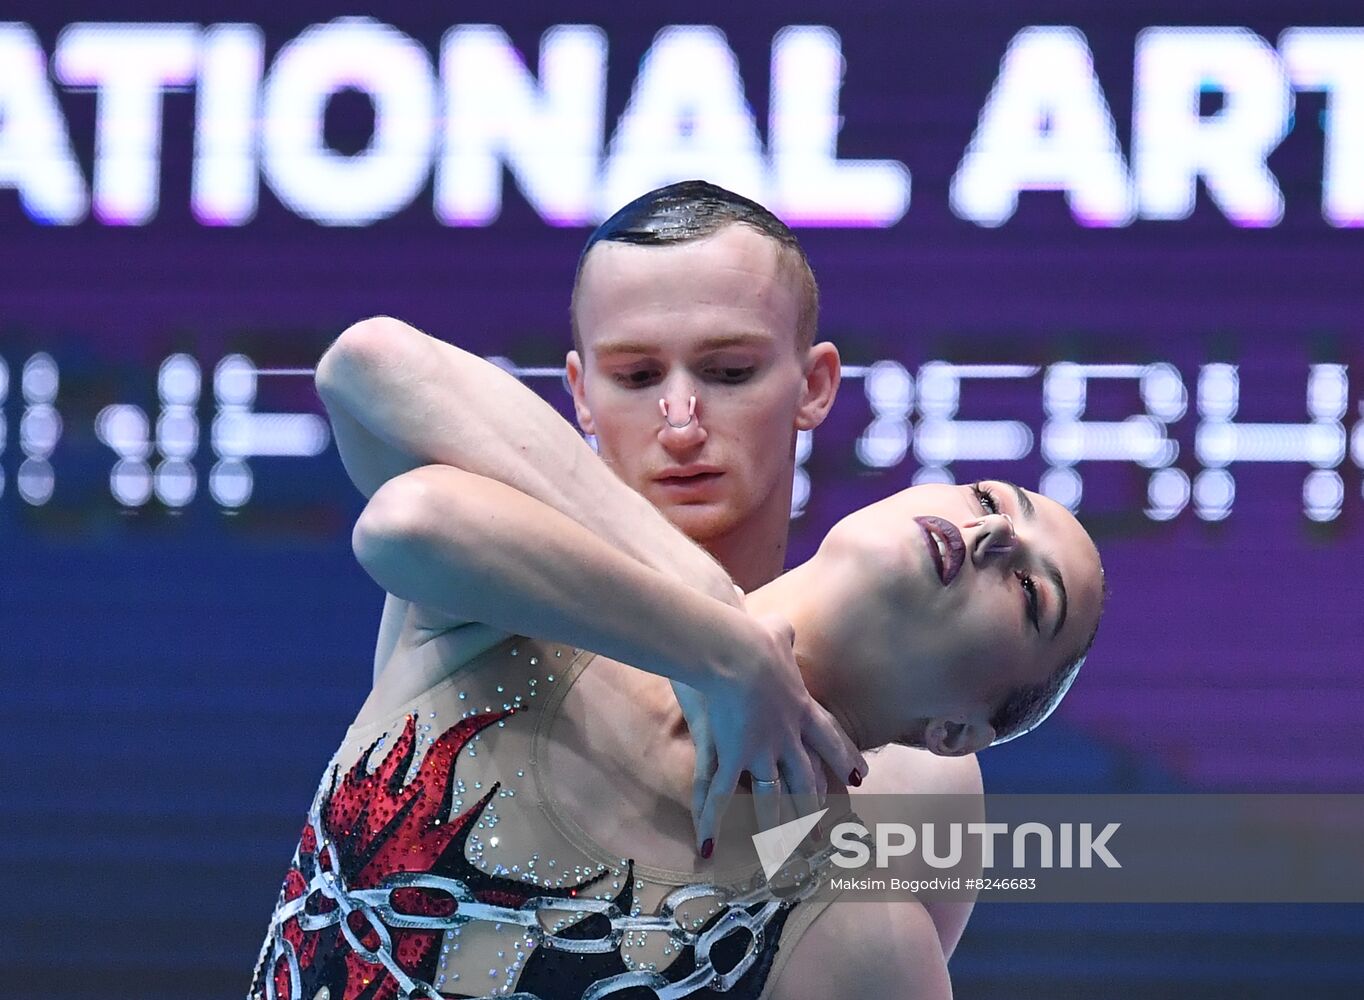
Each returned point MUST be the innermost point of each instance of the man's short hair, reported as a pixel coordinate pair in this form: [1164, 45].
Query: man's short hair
[692, 210]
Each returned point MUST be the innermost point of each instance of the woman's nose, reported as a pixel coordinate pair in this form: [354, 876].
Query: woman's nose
[995, 537]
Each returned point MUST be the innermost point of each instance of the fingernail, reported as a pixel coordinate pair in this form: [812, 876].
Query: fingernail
[708, 847]
[855, 778]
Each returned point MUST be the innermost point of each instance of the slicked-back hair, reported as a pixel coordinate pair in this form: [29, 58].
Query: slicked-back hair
[693, 210]
[1027, 706]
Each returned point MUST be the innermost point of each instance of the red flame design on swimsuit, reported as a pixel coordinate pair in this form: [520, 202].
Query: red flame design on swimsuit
[380, 825]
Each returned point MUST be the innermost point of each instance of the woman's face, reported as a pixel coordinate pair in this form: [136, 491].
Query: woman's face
[962, 593]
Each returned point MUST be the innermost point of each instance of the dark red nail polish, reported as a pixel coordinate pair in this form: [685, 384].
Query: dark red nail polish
[819, 832]
[707, 848]
[855, 779]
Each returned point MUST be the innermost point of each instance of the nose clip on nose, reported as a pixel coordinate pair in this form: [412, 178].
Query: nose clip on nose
[1006, 544]
[667, 415]
[980, 520]
[1001, 545]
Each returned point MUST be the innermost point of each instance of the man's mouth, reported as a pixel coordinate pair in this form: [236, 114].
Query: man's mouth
[688, 476]
[945, 546]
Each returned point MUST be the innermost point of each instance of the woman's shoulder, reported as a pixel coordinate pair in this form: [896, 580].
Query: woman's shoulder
[885, 948]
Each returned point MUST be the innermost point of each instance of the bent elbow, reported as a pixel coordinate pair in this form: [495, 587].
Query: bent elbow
[393, 524]
[360, 348]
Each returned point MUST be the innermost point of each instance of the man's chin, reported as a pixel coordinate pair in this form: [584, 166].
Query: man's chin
[701, 521]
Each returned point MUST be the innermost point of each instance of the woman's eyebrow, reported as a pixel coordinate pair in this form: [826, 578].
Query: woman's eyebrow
[1024, 501]
[1052, 571]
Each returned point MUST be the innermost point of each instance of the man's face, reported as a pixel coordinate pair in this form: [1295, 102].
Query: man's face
[979, 588]
[713, 318]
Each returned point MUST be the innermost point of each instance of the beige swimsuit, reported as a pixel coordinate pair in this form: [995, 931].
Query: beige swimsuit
[437, 862]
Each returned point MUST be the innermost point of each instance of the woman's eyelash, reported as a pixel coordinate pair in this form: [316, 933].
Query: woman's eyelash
[986, 497]
[1030, 588]
[990, 504]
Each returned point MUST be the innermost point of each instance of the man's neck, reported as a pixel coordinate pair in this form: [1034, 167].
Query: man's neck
[750, 566]
[754, 553]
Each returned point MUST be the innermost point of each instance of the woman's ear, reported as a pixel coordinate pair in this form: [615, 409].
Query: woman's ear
[958, 737]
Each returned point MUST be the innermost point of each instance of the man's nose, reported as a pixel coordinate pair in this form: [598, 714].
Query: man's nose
[679, 416]
[995, 537]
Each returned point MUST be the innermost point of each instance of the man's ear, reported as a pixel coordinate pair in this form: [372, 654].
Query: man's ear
[958, 737]
[822, 373]
[573, 368]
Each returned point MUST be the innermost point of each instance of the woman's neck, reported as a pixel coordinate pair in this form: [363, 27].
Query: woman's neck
[804, 596]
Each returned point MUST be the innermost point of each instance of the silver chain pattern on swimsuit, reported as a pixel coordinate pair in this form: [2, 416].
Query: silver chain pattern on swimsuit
[376, 907]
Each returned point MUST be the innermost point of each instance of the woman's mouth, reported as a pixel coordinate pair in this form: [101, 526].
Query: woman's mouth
[945, 546]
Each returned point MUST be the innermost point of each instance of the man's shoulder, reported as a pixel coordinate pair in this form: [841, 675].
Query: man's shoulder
[865, 948]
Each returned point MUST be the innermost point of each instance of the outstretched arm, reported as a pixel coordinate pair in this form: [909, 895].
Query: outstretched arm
[478, 550]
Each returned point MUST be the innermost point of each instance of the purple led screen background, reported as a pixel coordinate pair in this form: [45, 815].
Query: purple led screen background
[173, 681]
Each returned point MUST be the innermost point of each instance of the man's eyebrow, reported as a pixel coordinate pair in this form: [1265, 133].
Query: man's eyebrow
[715, 343]
[1050, 568]
[624, 347]
[735, 340]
